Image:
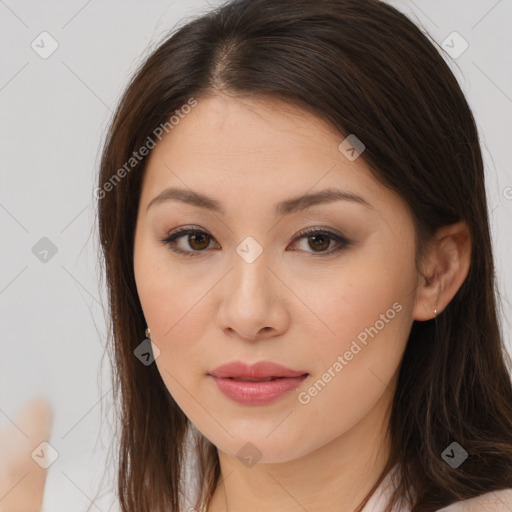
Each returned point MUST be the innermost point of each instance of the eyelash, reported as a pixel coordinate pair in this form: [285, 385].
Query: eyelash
[172, 237]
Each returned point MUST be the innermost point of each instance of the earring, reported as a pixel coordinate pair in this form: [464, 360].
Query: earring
[148, 333]
[435, 309]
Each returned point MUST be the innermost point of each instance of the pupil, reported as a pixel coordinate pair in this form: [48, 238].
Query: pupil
[194, 239]
[321, 246]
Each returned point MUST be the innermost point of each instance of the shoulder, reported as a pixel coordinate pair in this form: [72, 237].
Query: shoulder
[495, 501]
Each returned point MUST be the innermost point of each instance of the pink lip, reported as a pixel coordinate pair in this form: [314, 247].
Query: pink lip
[260, 370]
[256, 392]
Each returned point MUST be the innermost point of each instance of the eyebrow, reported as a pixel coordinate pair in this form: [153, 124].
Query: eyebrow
[286, 207]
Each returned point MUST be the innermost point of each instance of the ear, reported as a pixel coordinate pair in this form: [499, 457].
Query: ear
[447, 264]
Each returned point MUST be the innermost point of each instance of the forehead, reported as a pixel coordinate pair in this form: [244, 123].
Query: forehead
[266, 128]
[257, 139]
[250, 153]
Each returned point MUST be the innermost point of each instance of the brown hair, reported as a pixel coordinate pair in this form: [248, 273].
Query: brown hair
[368, 70]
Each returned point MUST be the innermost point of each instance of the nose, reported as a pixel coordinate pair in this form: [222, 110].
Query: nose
[252, 305]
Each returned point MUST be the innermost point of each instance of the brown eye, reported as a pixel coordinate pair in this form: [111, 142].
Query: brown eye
[198, 241]
[319, 242]
[188, 241]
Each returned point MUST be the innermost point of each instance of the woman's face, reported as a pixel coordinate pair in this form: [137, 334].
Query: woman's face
[335, 307]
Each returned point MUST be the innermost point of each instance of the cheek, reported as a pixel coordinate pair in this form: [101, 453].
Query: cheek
[169, 298]
[177, 309]
[366, 318]
[354, 371]
[174, 308]
[176, 315]
[367, 298]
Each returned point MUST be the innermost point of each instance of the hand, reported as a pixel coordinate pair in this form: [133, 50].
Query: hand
[22, 480]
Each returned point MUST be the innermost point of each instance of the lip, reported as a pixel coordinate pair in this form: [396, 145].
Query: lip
[256, 392]
[261, 370]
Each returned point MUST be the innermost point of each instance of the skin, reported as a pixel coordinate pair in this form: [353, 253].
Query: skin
[294, 305]
[21, 479]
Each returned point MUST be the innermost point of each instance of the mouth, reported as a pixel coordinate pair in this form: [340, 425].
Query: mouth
[247, 379]
[257, 391]
[259, 372]
[258, 384]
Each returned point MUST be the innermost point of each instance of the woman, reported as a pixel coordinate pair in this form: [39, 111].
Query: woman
[293, 219]
[376, 294]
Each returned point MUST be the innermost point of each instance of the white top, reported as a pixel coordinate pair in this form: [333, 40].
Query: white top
[497, 501]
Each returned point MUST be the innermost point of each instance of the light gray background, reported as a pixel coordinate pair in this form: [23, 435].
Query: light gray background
[54, 113]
